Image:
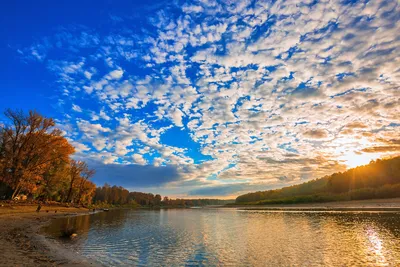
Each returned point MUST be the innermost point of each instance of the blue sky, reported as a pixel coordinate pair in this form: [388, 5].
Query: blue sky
[209, 98]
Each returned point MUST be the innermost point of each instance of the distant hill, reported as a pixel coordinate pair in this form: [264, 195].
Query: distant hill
[378, 179]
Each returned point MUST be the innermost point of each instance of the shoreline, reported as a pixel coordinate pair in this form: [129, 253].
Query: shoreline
[383, 205]
[22, 242]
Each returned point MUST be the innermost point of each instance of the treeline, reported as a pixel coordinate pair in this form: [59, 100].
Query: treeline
[117, 195]
[378, 179]
[35, 160]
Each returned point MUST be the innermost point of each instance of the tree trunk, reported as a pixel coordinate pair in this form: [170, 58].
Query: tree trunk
[70, 190]
[16, 191]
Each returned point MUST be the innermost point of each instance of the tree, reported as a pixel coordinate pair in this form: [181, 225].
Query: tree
[54, 180]
[157, 200]
[28, 146]
[76, 169]
[86, 174]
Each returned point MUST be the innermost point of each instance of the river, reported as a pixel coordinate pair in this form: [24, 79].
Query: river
[231, 237]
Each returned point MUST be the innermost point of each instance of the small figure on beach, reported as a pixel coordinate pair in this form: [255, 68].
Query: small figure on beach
[39, 207]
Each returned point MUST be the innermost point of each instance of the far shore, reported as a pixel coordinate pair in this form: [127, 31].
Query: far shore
[23, 244]
[390, 204]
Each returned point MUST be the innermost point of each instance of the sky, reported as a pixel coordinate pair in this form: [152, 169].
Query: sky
[209, 98]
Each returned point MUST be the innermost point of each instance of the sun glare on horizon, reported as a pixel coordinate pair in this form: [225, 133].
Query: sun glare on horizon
[353, 159]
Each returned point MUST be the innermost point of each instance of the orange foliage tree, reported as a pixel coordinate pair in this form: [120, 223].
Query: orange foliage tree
[35, 158]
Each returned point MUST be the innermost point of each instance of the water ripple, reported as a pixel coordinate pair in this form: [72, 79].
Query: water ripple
[234, 238]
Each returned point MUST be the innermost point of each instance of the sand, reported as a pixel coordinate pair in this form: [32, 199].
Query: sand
[22, 244]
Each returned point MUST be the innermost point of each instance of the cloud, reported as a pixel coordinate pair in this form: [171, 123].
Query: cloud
[139, 159]
[316, 134]
[377, 149]
[115, 74]
[132, 175]
[221, 190]
[389, 141]
[76, 108]
[356, 125]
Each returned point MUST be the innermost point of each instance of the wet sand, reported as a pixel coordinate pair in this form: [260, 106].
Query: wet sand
[22, 244]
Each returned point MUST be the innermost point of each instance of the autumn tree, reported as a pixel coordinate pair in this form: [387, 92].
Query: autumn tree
[83, 183]
[28, 146]
[54, 181]
[79, 173]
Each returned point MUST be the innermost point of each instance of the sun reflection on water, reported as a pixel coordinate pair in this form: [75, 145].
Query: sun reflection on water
[376, 246]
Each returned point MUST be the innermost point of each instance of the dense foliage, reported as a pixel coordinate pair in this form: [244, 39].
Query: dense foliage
[379, 179]
[35, 160]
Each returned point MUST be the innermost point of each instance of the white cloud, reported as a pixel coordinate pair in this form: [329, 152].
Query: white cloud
[76, 108]
[139, 159]
[115, 74]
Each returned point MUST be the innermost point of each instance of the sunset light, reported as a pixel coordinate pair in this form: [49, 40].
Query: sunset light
[353, 159]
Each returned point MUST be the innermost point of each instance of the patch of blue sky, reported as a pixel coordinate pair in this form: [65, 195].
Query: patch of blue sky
[322, 33]
[145, 111]
[289, 53]
[288, 147]
[349, 92]
[263, 30]
[178, 137]
[212, 177]
[240, 103]
[300, 123]
[243, 68]
[193, 71]
[255, 139]
[343, 75]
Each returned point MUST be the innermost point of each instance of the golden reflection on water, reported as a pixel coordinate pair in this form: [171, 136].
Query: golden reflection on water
[215, 237]
[376, 246]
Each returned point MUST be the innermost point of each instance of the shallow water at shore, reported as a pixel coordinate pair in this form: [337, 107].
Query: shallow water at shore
[179, 237]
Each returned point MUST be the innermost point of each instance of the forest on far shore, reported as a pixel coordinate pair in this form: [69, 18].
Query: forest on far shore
[378, 179]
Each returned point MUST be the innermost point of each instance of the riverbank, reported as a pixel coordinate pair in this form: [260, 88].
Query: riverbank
[390, 204]
[22, 244]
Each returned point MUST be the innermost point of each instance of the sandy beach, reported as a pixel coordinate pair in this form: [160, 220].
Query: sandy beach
[22, 244]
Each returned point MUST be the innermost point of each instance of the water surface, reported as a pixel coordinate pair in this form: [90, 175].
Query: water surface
[215, 237]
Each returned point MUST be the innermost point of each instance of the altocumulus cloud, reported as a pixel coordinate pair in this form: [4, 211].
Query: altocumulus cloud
[254, 84]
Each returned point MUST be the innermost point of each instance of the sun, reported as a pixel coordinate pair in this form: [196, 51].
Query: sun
[349, 151]
[353, 159]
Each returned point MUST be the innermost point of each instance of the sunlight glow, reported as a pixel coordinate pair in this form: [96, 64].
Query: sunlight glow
[353, 159]
[348, 148]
